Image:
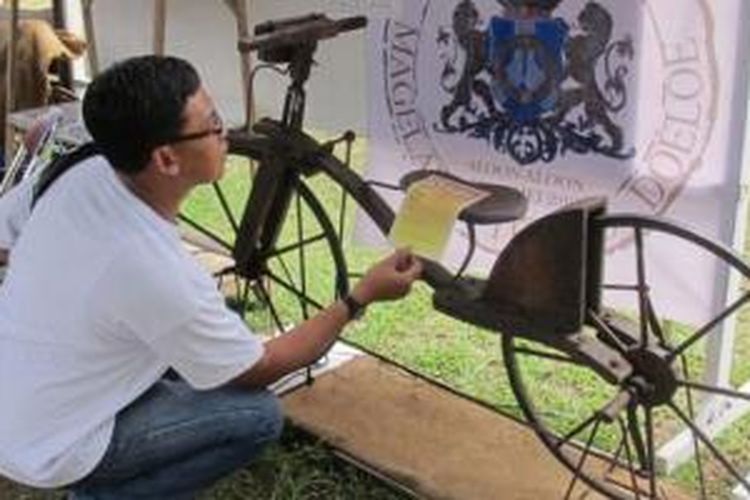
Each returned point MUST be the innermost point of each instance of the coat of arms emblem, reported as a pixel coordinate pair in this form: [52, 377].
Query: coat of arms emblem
[531, 85]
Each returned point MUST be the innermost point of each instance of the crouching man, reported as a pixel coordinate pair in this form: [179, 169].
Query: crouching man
[101, 299]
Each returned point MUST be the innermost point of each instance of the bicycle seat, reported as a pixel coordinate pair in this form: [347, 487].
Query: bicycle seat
[504, 203]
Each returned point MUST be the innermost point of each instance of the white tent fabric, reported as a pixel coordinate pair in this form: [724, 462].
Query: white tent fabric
[657, 97]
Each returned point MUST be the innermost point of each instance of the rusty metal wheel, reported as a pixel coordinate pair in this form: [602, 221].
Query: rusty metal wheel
[619, 439]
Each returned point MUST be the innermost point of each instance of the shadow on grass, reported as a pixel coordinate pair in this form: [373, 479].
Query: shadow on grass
[301, 467]
[298, 467]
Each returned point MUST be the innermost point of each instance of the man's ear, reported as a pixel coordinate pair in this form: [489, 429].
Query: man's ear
[165, 161]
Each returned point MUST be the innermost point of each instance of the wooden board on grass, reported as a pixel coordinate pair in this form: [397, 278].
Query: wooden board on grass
[431, 441]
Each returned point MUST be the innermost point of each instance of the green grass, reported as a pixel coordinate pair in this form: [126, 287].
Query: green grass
[300, 467]
[34, 4]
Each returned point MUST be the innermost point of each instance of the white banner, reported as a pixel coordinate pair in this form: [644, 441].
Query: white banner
[642, 101]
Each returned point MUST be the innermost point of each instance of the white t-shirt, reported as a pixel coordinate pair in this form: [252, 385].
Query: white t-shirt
[100, 298]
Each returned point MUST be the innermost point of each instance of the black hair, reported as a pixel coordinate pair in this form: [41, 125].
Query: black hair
[137, 104]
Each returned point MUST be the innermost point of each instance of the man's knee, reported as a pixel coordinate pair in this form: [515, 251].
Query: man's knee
[274, 414]
[266, 418]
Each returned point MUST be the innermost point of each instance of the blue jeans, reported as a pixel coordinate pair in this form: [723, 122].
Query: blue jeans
[174, 441]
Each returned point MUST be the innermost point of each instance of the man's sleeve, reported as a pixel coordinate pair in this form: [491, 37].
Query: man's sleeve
[211, 348]
[182, 317]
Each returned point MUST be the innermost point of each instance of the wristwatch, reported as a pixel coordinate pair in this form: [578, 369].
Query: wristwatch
[355, 308]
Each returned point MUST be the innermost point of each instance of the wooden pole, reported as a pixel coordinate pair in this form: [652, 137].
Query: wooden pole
[160, 26]
[64, 68]
[10, 80]
[88, 27]
[240, 10]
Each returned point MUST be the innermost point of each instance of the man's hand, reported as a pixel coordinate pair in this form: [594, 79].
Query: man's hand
[389, 279]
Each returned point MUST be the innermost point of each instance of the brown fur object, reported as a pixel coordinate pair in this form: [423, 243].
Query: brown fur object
[38, 46]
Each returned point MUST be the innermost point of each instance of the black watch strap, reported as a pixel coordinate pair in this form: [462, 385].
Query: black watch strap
[355, 308]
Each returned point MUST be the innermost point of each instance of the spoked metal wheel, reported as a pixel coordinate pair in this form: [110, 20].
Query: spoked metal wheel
[303, 273]
[657, 434]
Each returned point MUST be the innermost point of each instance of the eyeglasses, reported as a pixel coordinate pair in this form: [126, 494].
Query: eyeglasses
[217, 128]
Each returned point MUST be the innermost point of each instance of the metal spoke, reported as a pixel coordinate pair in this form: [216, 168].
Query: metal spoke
[616, 457]
[691, 413]
[294, 246]
[293, 290]
[714, 390]
[708, 327]
[629, 456]
[584, 456]
[274, 313]
[301, 296]
[653, 320]
[301, 253]
[650, 449]
[635, 433]
[710, 445]
[642, 287]
[344, 194]
[225, 206]
[577, 430]
[205, 232]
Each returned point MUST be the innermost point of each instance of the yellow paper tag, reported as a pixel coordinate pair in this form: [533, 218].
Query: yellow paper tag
[428, 214]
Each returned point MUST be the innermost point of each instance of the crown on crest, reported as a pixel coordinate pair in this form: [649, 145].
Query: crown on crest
[548, 5]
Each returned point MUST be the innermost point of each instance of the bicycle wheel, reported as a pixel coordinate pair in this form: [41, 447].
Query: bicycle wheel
[618, 438]
[303, 273]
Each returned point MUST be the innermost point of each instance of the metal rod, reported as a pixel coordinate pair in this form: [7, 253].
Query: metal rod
[301, 254]
[577, 430]
[431, 380]
[708, 327]
[584, 456]
[651, 453]
[714, 390]
[642, 287]
[653, 320]
[290, 248]
[628, 454]
[293, 290]
[206, 232]
[548, 355]
[635, 434]
[267, 299]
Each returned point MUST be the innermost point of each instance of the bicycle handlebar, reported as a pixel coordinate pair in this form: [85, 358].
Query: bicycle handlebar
[273, 25]
[297, 30]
